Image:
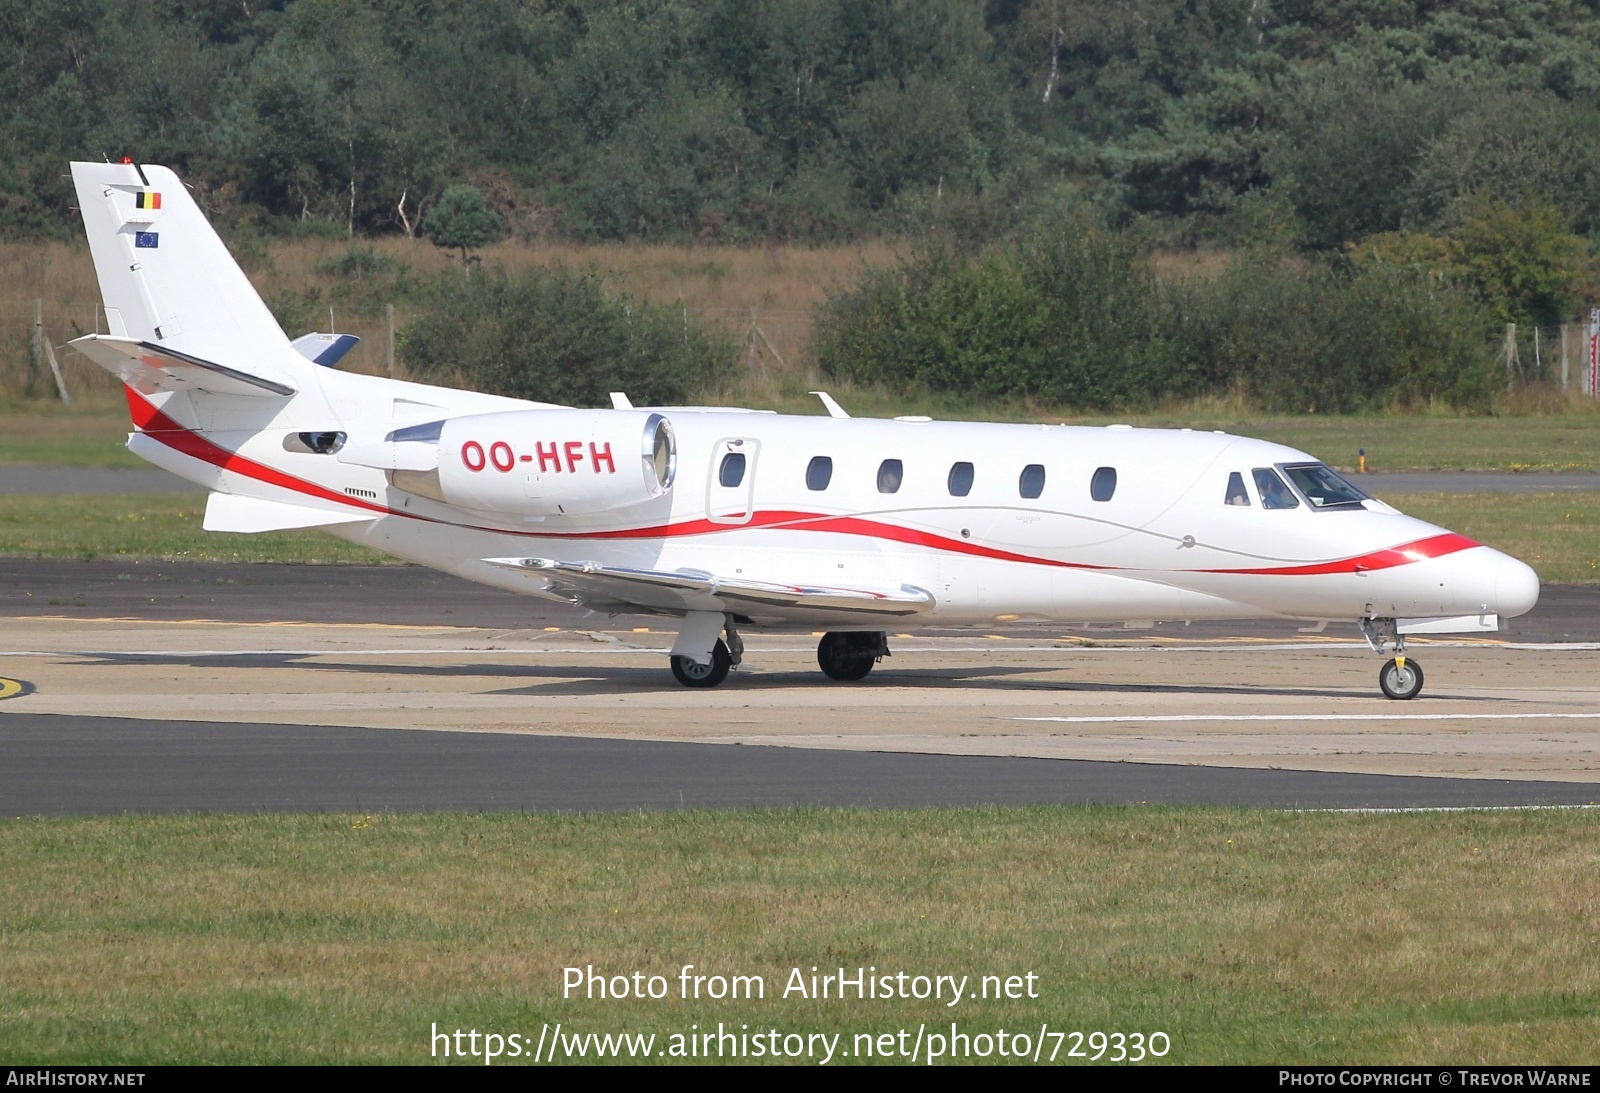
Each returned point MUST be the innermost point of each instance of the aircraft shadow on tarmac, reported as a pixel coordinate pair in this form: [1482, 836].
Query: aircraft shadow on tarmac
[565, 680]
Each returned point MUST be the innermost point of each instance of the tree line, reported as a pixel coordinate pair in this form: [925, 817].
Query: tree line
[1391, 178]
[1303, 123]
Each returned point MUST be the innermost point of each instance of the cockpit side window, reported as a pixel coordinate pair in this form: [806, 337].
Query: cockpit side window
[1324, 487]
[1274, 494]
[1237, 494]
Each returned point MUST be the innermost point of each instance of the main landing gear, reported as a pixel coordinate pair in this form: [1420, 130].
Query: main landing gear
[693, 674]
[845, 656]
[1401, 677]
[848, 657]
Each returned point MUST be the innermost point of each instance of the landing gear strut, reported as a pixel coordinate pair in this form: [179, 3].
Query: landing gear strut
[850, 656]
[1401, 677]
[702, 628]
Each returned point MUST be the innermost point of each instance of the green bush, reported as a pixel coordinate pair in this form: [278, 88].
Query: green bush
[1297, 338]
[1065, 317]
[557, 336]
[1074, 317]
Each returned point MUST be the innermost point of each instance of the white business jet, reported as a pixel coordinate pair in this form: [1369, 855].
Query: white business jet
[737, 520]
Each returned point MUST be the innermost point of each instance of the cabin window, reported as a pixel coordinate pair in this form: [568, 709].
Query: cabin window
[1237, 494]
[891, 472]
[1324, 487]
[1274, 494]
[1031, 483]
[1103, 484]
[731, 473]
[819, 472]
[960, 481]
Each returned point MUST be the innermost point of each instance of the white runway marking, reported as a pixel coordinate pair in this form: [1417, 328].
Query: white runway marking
[1121, 719]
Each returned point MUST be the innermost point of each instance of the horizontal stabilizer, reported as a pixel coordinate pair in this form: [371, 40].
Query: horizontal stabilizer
[591, 584]
[231, 512]
[149, 368]
[1460, 624]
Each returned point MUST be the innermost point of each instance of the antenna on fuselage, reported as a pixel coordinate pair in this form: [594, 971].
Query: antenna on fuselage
[834, 409]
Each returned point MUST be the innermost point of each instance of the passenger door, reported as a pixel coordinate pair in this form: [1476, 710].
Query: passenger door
[731, 483]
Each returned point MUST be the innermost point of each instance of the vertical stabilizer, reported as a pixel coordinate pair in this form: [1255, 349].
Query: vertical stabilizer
[166, 277]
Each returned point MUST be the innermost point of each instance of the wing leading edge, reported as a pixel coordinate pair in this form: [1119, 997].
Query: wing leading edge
[590, 584]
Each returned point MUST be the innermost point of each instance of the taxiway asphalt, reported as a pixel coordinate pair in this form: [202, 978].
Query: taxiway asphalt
[190, 686]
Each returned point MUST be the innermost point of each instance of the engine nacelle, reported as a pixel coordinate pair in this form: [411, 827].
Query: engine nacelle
[555, 462]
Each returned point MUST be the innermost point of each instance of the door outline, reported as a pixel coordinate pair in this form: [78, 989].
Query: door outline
[736, 504]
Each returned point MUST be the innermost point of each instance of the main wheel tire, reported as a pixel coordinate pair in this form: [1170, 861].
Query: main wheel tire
[1398, 682]
[691, 674]
[839, 658]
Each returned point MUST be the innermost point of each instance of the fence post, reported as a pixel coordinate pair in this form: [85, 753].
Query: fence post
[388, 314]
[1564, 370]
[1594, 352]
[36, 356]
[55, 370]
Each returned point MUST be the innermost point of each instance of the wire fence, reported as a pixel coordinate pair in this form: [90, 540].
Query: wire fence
[37, 362]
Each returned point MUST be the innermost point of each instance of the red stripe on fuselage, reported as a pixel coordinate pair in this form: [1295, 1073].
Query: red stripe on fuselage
[148, 419]
[1436, 546]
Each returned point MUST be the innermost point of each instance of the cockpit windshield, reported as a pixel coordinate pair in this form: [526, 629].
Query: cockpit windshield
[1324, 487]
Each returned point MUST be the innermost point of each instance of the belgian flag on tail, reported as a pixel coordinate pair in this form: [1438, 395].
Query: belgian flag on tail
[147, 199]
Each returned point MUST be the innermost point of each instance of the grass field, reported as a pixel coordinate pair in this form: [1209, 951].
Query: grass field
[1247, 937]
[1556, 533]
[152, 525]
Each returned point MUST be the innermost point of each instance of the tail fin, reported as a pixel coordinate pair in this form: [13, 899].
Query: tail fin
[168, 281]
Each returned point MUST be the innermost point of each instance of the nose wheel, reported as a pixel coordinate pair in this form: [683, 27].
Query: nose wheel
[1401, 678]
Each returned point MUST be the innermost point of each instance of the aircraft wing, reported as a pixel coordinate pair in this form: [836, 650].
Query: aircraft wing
[589, 584]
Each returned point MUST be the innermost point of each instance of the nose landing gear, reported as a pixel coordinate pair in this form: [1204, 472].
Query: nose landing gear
[1401, 677]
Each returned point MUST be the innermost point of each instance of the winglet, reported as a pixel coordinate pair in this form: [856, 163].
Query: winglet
[620, 401]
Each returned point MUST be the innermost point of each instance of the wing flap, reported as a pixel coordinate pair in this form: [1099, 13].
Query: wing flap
[594, 585]
[148, 368]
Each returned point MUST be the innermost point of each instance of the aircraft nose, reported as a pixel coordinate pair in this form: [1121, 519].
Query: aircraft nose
[1516, 587]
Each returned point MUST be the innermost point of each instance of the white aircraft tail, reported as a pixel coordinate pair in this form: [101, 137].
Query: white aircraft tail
[180, 311]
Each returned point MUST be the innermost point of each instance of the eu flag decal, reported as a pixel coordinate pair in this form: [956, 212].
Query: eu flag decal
[147, 199]
[146, 239]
